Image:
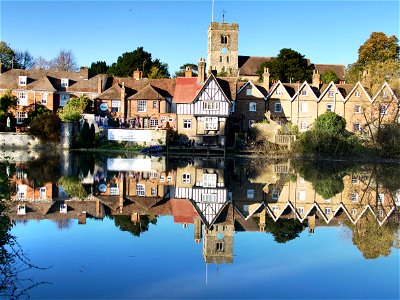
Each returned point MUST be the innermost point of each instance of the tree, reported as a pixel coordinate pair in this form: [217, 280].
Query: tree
[74, 109]
[137, 59]
[378, 48]
[46, 127]
[72, 186]
[41, 63]
[329, 76]
[98, 67]
[7, 55]
[181, 72]
[64, 61]
[288, 66]
[124, 223]
[7, 101]
[24, 60]
[155, 73]
[331, 123]
[284, 230]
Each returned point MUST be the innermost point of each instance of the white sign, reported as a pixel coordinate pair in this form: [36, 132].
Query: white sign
[103, 106]
[129, 135]
[129, 164]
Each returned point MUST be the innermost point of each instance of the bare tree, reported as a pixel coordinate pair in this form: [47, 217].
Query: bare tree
[65, 61]
[24, 60]
[41, 63]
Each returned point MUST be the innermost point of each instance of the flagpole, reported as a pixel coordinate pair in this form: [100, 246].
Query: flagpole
[212, 11]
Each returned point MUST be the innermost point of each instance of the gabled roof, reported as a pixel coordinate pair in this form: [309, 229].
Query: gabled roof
[385, 85]
[186, 89]
[89, 85]
[149, 92]
[164, 86]
[304, 85]
[113, 92]
[249, 65]
[358, 84]
[43, 84]
[256, 87]
[289, 88]
[327, 88]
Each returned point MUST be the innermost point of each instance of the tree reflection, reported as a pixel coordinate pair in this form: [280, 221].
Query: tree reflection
[124, 223]
[284, 230]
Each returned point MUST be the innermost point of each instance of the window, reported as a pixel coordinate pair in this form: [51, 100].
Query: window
[162, 178]
[42, 193]
[227, 59]
[21, 116]
[356, 127]
[63, 208]
[303, 126]
[186, 178]
[21, 191]
[357, 109]
[381, 198]
[155, 104]
[115, 105]
[219, 246]
[248, 91]
[114, 191]
[329, 200]
[354, 197]
[304, 92]
[279, 92]
[275, 209]
[353, 212]
[64, 99]
[154, 191]
[380, 213]
[384, 94]
[224, 39]
[169, 179]
[153, 174]
[209, 197]
[250, 194]
[220, 59]
[252, 106]
[22, 80]
[153, 122]
[21, 210]
[354, 180]
[300, 210]
[330, 94]
[304, 107]
[187, 124]
[170, 119]
[209, 180]
[210, 105]
[44, 99]
[357, 94]
[302, 195]
[142, 106]
[163, 118]
[329, 107]
[383, 109]
[22, 98]
[275, 194]
[211, 123]
[278, 107]
[327, 210]
[64, 82]
[140, 190]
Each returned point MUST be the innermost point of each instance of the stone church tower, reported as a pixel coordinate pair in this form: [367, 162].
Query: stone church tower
[222, 51]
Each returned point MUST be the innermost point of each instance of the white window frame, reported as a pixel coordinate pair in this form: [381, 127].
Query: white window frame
[248, 91]
[353, 212]
[252, 106]
[381, 198]
[384, 94]
[115, 105]
[22, 80]
[155, 104]
[278, 92]
[357, 127]
[329, 107]
[250, 194]
[162, 178]
[153, 122]
[383, 110]
[142, 106]
[331, 94]
[210, 180]
[43, 98]
[163, 119]
[300, 210]
[304, 92]
[357, 109]
[21, 116]
[42, 190]
[209, 198]
[114, 191]
[210, 105]
[354, 197]
[64, 98]
[275, 194]
[211, 123]
[303, 126]
[22, 98]
[357, 94]
[63, 208]
[154, 191]
[170, 119]
[22, 191]
[354, 180]
[21, 209]
[187, 123]
[186, 178]
[304, 107]
[64, 82]
[302, 195]
[140, 190]
[277, 107]
[328, 210]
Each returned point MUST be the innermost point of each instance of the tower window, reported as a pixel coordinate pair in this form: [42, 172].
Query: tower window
[220, 59]
[224, 39]
[227, 59]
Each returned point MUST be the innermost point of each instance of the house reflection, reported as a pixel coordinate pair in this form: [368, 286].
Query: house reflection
[215, 197]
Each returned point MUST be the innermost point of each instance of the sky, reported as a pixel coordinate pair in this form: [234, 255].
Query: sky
[326, 32]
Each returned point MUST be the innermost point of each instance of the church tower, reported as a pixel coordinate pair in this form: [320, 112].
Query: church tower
[222, 51]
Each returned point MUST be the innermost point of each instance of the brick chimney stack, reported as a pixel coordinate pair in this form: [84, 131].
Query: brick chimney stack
[84, 71]
[137, 75]
[201, 70]
[99, 85]
[123, 94]
[266, 79]
[188, 72]
[316, 78]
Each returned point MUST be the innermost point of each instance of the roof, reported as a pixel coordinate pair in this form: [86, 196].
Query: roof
[183, 211]
[113, 92]
[149, 92]
[90, 85]
[42, 84]
[340, 70]
[186, 89]
[249, 65]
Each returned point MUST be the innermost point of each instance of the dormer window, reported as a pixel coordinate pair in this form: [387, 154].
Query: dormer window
[22, 80]
[21, 209]
[64, 82]
[63, 208]
[304, 92]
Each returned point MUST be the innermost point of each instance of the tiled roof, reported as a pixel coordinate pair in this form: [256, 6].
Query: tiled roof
[186, 89]
[229, 86]
[249, 65]
[42, 84]
[149, 92]
[338, 69]
[113, 92]
[165, 86]
[183, 211]
[90, 85]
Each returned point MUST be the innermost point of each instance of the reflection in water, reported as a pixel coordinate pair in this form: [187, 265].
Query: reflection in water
[218, 196]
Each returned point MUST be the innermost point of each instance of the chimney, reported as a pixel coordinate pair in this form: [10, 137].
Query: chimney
[123, 100]
[201, 70]
[316, 78]
[84, 71]
[366, 79]
[99, 86]
[137, 75]
[266, 79]
[188, 72]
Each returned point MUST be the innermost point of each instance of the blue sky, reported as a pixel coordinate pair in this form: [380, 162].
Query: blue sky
[176, 31]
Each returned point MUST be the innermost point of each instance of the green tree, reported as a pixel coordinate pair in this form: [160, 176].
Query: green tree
[137, 59]
[46, 127]
[181, 72]
[7, 55]
[24, 60]
[7, 101]
[284, 230]
[124, 223]
[288, 66]
[98, 67]
[331, 123]
[378, 48]
[329, 76]
[72, 186]
[74, 109]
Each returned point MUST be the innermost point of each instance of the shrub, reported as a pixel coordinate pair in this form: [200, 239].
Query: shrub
[46, 127]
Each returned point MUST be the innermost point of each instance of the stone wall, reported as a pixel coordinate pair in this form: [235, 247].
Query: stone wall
[19, 140]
